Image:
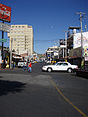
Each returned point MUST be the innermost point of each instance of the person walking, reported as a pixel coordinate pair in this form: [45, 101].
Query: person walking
[12, 64]
[2, 64]
[25, 66]
[30, 67]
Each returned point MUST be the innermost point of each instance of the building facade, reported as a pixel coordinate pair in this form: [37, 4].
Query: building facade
[21, 39]
[52, 53]
[77, 44]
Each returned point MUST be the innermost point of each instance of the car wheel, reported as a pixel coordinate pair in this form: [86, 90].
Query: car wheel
[69, 70]
[49, 69]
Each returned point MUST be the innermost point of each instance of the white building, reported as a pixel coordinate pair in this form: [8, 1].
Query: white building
[21, 39]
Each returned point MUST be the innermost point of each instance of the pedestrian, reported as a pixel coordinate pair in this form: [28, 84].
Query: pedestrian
[25, 66]
[12, 64]
[30, 67]
[2, 64]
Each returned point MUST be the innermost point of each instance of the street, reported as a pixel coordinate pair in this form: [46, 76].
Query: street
[42, 94]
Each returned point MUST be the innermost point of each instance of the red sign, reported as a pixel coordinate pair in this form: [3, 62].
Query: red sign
[5, 13]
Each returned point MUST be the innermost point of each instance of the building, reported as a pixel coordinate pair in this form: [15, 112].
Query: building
[52, 53]
[21, 39]
[62, 49]
[74, 43]
[77, 46]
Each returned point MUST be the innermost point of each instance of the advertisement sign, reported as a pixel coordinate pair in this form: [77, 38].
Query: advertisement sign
[4, 27]
[86, 51]
[5, 13]
[77, 40]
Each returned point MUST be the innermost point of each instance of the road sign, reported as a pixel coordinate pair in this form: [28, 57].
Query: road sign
[3, 40]
[4, 27]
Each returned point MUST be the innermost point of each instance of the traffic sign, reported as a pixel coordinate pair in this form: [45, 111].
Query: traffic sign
[3, 40]
[4, 27]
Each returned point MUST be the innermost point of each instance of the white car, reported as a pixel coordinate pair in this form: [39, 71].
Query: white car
[22, 63]
[60, 66]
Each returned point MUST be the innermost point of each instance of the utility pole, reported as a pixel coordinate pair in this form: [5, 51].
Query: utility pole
[81, 15]
[86, 23]
[11, 53]
[2, 44]
[66, 43]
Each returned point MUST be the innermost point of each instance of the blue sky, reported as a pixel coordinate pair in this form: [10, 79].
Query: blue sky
[49, 18]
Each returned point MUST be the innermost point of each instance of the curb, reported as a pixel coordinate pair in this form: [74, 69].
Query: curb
[82, 73]
[8, 69]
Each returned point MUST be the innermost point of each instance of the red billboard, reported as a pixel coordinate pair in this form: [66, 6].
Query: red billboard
[5, 13]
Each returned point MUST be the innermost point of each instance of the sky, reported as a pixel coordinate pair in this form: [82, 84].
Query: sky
[49, 19]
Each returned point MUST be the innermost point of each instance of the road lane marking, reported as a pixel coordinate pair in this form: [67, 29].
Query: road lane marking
[67, 100]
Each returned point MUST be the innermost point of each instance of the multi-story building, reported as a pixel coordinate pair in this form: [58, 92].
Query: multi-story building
[21, 39]
[52, 53]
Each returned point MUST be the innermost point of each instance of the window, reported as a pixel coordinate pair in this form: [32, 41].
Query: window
[59, 63]
[65, 64]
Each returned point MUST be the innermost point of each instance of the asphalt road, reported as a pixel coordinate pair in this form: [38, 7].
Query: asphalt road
[42, 94]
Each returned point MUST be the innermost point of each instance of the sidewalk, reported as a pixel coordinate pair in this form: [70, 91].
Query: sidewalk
[9, 68]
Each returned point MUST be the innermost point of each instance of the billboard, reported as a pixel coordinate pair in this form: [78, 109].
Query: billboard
[77, 40]
[5, 13]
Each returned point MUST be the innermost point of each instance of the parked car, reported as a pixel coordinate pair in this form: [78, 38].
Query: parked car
[33, 62]
[48, 61]
[22, 63]
[60, 66]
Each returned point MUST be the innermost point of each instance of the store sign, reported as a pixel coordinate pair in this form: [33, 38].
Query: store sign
[4, 27]
[86, 51]
[5, 13]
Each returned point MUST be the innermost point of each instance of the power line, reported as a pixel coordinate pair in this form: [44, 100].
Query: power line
[48, 40]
